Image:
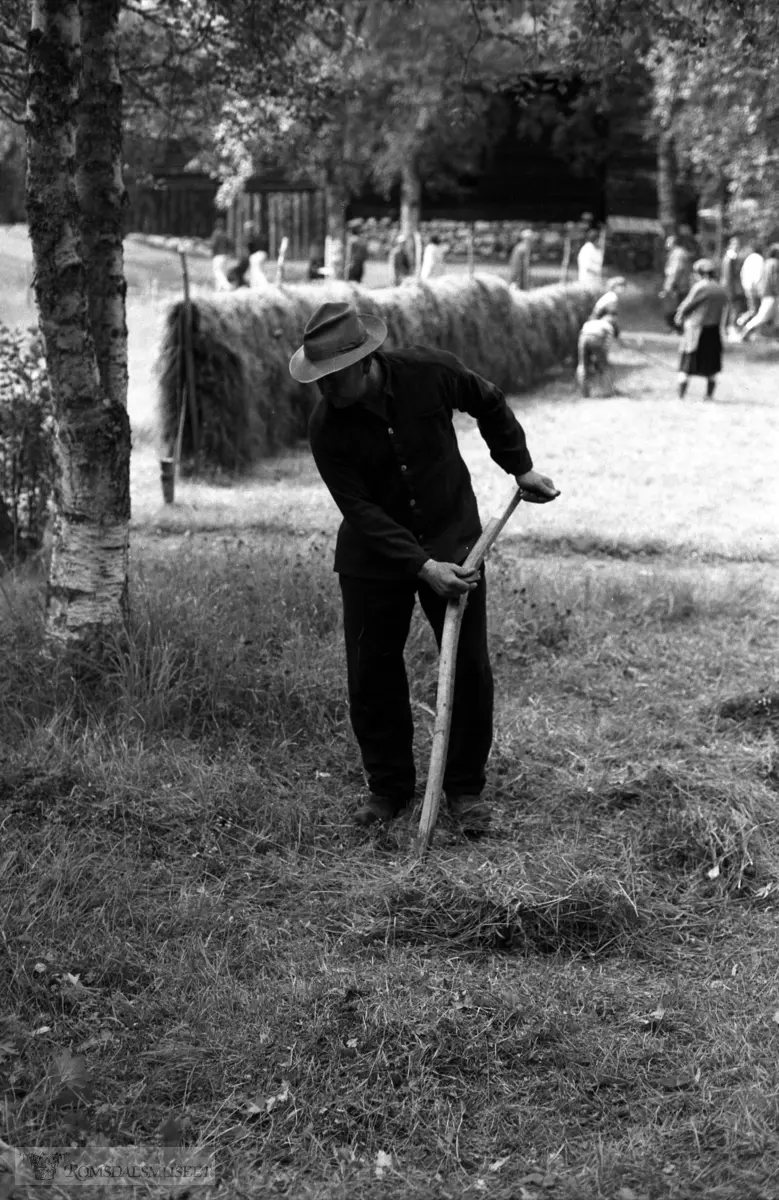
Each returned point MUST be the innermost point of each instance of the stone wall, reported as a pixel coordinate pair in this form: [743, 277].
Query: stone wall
[493, 240]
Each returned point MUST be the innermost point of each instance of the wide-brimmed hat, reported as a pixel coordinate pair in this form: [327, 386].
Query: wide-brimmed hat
[336, 337]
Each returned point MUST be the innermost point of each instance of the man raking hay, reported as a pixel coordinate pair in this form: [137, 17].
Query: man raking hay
[384, 442]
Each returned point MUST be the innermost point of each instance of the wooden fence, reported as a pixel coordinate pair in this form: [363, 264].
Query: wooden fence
[183, 205]
[179, 205]
[297, 215]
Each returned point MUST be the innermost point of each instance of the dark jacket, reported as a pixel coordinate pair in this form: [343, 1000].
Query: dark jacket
[401, 484]
[704, 306]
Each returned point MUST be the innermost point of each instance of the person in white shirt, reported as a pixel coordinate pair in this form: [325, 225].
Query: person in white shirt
[752, 283]
[595, 340]
[590, 263]
[608, 304]
[432, 259]
[768, 290]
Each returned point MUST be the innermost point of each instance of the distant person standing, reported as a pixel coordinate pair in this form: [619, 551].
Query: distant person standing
[752, 283]
[689, 241]
[520, 261]
[700, 316]
[221, 249]
[590, 262]
[257, 254]
[769, 295]
[400, 260]
[731, 281]
[432, 259]
[677, 280]
[358, 256]
[316, 261]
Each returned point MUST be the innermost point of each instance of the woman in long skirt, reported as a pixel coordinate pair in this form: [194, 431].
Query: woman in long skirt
[700, 317]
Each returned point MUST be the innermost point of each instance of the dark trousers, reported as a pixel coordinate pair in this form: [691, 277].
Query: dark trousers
[377, 618]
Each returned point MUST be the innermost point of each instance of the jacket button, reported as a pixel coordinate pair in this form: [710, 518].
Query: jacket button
[413, 503]
[403, 467]
[390, 431]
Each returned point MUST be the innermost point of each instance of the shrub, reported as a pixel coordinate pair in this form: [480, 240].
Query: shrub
[26, 457]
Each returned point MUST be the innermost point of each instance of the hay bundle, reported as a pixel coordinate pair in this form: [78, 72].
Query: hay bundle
[558, 906]
[249, 406]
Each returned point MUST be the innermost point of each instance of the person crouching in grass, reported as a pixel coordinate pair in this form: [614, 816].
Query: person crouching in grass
[608, 304]
[700, 316]
[384, 442]
[596, 337]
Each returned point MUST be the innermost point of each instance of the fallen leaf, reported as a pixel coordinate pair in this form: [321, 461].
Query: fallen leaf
[41, 1029]
[98, 1039]
[776, 1016]
[71, 1079]
[673, 1083]
[281, 1098]
[383, 1164]
[713, 873]
[171, 1131]
[499, 1162]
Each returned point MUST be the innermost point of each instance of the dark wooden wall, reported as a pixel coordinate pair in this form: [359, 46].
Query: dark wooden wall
[177, 205]
[523, 176]
[294, 214]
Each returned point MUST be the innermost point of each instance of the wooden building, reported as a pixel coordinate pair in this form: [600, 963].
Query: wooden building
[175, 203]
[604, 167]
[279, 208]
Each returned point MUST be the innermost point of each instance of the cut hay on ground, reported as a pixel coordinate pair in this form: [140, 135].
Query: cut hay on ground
[560, 906]
[250, 407]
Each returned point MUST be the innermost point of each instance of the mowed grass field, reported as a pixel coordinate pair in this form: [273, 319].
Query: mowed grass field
[197, 944]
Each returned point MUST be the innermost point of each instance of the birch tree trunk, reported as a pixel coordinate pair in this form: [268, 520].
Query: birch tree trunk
[410, 199]
[101, 192]
[87, 599]
[667, 200]
[335, 222]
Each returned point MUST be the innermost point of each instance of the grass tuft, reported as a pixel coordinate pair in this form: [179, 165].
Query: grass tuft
[518, 903]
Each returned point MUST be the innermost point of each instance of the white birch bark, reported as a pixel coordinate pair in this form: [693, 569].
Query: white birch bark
[410, 198]
[335, 221]
[88, 574]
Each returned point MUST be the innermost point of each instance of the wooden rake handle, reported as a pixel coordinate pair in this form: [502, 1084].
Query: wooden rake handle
[446, 669]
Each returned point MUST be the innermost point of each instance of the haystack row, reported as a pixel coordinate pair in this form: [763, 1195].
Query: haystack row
[249, 407]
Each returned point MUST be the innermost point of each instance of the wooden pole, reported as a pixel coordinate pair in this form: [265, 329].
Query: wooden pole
[418, 252]
[280, 261]
[602, 247]
[720, 235]
[189, 358]
[183, 392]
[566, 256]
[471, 238]
[273, 241]
[446, 671]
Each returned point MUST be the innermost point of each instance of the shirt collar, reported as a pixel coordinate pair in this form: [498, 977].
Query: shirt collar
[387, 369]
